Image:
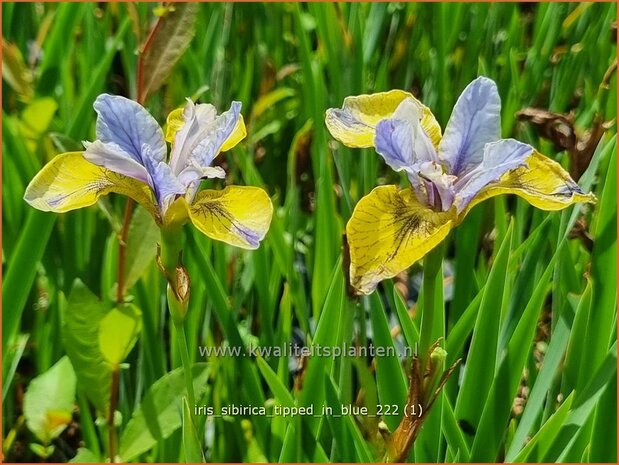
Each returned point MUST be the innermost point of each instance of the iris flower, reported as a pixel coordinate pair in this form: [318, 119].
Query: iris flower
[129, 157]
[449, 174]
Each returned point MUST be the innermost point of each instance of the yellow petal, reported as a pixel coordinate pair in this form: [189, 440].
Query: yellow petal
[354, 124]
[238, 134]
[69, 182]
[174, 123]
[237, 215]
[389, 231]
[543, 183]
[177, 214]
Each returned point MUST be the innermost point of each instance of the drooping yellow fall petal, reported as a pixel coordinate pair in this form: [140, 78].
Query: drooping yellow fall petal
[237, 215]
[354, 124]
[69, 182]
[389, 231]
[543, 183]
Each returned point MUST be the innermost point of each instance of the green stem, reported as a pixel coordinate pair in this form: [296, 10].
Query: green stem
[179, 287]
[187, 365]
[111, 420]
[432, 276]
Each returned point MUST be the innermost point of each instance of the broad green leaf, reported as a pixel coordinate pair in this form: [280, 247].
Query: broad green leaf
[191, 442]
[160, 412]
[85, 456]
[36, 118]
[44, 452]
[49, 401]
[142, 241]
[173, 35]
[81, 341]
[118, 332]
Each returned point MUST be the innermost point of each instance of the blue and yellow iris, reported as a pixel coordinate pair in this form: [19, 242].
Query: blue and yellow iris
[390, 229]
[129, 157]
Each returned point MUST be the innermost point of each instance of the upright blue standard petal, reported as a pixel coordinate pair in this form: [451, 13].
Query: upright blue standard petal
[474, 122]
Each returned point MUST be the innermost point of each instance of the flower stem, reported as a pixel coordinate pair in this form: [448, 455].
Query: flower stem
[178, 293]
[187, 365]
[111, 418]
[122, 253]
[432, 278]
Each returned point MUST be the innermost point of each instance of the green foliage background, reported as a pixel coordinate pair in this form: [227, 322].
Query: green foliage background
[529, 308]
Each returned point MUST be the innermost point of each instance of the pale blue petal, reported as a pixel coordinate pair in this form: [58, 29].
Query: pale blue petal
[202, 143]
[394, 142]
[165, 185]
[498, 158]
[215, 135]
[474, 122]
[111, 156]
[197, 118]
[401, 140]
[127, 124]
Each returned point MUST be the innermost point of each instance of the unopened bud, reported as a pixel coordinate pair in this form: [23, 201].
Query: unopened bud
[178, 304]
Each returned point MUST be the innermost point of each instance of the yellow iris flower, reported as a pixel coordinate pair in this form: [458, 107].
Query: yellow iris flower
[392, 228]
[129, 157]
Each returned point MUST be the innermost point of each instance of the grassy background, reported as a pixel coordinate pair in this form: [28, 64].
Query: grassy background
[531, 310]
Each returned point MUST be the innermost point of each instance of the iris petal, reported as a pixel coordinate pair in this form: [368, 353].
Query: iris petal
[202, 137]
[127, 124]
[355, 123]
[184, 128]
[401, 140]
[498, 158]
[113, 157]
[237, 215]
[542, 182]
[474, 122]
[389, 231]
[165, 185]
[69, 182]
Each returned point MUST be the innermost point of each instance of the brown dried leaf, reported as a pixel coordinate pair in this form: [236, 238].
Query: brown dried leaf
[560, 130]
[15, 72]
[174, 31]
[555, 127]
